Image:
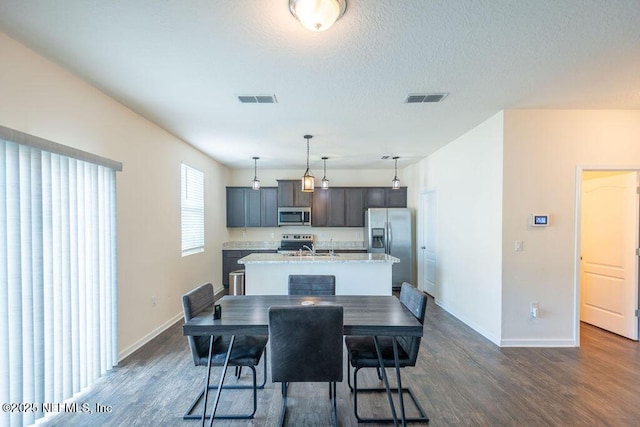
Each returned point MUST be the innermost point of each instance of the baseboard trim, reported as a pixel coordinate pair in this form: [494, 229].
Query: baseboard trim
[218, 293]
[145, 339]
[481, 331]
[538, 343]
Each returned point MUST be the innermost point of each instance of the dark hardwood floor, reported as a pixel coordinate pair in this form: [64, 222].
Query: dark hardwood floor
[461, 379]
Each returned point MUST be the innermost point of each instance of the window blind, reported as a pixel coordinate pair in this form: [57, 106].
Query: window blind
[192, 210]
[58, 275]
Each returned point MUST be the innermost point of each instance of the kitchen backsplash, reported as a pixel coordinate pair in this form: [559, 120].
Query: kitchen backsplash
[349, 236]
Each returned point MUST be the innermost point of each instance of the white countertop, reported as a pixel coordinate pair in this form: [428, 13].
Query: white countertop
[342, 258]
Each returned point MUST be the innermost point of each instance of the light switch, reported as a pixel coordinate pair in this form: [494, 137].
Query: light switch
[519, 246]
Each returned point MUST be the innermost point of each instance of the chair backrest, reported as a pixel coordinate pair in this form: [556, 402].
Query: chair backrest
[416, 302]
[193, 302]
[306, 343]
[312, 284]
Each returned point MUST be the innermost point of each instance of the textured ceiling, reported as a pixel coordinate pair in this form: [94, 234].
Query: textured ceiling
[182, 64]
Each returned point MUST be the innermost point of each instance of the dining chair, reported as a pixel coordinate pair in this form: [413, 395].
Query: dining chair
[362, 353]
[312, 284]
[306, 346]
[246, 351]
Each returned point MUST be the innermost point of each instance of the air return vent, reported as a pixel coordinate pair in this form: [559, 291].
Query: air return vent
[417, 98]
[257, 99]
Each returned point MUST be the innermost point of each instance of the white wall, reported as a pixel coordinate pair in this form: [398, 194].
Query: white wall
[39, 98]
[541, 151]
[467, 177]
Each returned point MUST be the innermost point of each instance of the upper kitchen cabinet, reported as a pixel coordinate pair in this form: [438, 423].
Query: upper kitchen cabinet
[319, 208]
[290, 194]
[338, 207]
[269, 207]
[396, 198]
[354, 207]
[385, 197]
[252, 208]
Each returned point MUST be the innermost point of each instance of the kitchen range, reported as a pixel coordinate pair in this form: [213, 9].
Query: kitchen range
[296, 243]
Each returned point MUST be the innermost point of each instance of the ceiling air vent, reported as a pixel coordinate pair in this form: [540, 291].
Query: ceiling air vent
[257, 99]
[418, 98]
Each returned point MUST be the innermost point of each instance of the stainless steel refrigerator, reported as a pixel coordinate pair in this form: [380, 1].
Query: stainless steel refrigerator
[390, 231]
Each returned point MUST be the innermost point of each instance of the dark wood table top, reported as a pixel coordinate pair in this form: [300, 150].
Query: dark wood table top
[363, 315]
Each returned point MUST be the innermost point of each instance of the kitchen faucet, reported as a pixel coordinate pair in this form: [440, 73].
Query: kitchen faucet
[311, 249]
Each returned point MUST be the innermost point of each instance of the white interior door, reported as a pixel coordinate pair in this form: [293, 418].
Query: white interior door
[427, 243]
[609, 267]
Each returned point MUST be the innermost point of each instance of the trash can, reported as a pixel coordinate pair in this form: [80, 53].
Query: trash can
[236, 282]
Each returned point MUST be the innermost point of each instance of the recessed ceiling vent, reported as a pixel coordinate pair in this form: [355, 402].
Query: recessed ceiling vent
[257, 99]
[417, 98]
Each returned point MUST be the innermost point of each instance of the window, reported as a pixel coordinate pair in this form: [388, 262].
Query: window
[192, 210]
[58, 269]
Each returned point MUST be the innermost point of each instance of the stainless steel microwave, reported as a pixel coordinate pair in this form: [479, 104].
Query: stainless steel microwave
[294, 216]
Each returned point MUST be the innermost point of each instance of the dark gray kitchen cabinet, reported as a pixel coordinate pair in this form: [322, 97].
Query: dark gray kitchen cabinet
[290, 194]
[354, 207]
[229, 264]
[230, 259]
[319, 208]
[375, 197]
[396, 198]
[235, 207]
[385, 197]
[269, 207]
[336, 208]
[252, 208]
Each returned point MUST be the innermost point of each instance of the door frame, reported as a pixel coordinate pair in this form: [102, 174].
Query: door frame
[421, 233]
[578, 235]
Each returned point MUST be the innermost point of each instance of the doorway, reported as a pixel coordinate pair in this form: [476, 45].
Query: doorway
[427, 243]
[608, 264]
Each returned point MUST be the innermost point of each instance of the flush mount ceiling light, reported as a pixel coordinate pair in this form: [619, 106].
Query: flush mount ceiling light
[317, 15]
[395, 184]
[324, 184]
[308, 181]
[255, 183]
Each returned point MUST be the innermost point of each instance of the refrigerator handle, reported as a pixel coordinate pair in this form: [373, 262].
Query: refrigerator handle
[389, 239]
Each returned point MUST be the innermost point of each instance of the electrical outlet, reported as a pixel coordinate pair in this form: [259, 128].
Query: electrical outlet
[154, 301]
[534, 310]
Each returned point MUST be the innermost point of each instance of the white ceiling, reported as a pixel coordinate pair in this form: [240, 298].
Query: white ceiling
[182, 64]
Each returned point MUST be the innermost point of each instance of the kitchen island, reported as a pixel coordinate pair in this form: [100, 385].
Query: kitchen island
[356, 274]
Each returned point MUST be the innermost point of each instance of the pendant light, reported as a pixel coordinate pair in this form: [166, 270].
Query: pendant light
[308, 181]
[395, 184]
[255, 183]
[324, 184]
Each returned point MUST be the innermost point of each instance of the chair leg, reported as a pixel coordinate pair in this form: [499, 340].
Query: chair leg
[189, 415]
[423, 415]
[335, 404]
[283, 412]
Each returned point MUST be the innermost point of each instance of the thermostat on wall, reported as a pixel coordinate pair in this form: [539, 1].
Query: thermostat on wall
[539, 220]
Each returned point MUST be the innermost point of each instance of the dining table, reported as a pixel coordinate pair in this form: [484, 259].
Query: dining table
[370, 315]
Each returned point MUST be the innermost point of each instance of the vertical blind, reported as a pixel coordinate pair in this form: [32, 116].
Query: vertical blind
[58, 330]
[192, 210]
